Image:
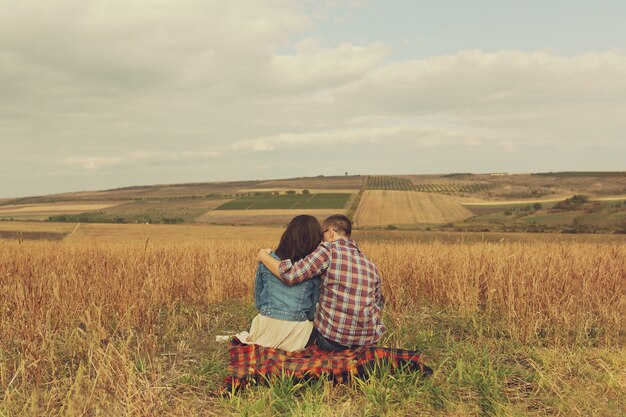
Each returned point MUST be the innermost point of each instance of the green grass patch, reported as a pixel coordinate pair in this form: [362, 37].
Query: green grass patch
[575, 215]
[478, 371]
[149, 216]
[550, 218]
[482, 209]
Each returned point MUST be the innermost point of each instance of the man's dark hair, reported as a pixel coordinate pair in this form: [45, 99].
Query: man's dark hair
[301, 237]
[340, 223]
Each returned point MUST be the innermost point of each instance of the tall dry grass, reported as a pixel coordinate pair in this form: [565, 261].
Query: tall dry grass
[555, 291]
[81, 324]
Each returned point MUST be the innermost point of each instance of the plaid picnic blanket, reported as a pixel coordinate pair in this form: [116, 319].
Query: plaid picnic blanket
[257, 364]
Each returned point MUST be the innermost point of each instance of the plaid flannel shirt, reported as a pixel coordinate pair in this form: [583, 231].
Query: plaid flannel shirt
[350, 303]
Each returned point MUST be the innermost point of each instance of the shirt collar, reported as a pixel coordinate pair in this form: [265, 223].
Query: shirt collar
[349, 242]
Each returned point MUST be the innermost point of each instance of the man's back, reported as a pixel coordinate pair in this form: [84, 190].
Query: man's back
[349, 309]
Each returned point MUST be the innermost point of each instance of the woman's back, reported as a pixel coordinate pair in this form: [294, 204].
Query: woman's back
[275, 299]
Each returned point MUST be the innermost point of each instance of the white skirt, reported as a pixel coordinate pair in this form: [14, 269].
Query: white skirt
[279, 334]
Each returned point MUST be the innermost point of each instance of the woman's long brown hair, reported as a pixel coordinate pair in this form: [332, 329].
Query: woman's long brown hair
[301, 237]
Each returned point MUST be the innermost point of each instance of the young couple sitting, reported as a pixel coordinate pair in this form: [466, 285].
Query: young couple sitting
[317, 287]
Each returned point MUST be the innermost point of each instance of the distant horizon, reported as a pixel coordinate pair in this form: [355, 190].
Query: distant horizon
[165, 184]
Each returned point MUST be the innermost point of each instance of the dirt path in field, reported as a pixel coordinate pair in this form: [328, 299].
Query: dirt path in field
[473, 202]
[74, 230]
[54, 208]
[612, 198]
[384, 207]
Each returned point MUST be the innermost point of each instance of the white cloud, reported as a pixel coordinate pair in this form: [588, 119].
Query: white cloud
[507, 99]
[508, 80]
[531, 95]
[411, 136]
[316, 67]
[94, 163]
[105, 81]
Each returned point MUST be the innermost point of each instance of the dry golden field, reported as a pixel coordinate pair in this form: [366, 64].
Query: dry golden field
[166, 234]
[133, 233]
[26, 226]
[254, 217]
[383, 207]
[126, 326]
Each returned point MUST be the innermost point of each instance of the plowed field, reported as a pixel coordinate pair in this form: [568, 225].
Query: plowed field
[56, 208]
[45, 210]
[384, 207]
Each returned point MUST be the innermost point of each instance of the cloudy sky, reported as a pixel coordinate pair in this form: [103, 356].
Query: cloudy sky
[98, 94]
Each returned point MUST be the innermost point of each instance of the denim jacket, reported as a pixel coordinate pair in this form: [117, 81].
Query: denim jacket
[281, 301]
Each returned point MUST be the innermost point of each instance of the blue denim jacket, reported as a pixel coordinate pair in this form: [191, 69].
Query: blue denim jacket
[280, 301]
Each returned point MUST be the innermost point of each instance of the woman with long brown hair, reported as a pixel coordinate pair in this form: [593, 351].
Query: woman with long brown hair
[286, 312]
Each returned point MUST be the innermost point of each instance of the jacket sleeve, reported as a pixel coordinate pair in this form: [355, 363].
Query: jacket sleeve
[316, 263]
[258, 287]
[315, 297]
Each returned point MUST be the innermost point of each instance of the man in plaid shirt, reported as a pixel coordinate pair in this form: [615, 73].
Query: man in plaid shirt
[350, 304]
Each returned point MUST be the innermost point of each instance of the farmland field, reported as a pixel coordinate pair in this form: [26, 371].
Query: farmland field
[42, 211]
[352, 182]
[407, 207]
[596, 215]
[27, 226]
[133, 211]
[127, 326]
[498, 202]
[601, 174]
[452, 188]
[267, 201]
[527, 186]
[82, 233]
[148, 192]
[36, 208]
[277, 217]
[163, 233]
[297, 190]
[405, 184]
[388, 183]
[120, 319]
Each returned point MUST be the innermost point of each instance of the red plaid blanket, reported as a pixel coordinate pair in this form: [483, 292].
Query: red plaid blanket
[254, 363]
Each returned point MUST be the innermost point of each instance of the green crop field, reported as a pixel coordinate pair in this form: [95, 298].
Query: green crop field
[389, 183]
[405, 184]
[453, 188]
[288, 201]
